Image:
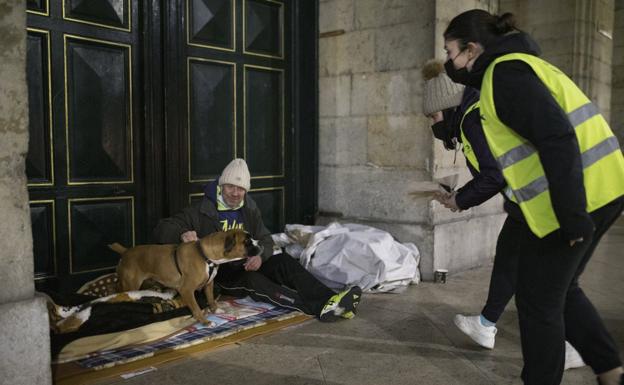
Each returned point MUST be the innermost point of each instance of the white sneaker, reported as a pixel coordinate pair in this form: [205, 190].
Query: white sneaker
[572, 358]
[472, 327]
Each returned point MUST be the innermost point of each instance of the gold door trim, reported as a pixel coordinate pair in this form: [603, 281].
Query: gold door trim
[50, 123]
[190, 197]
[51, 201]
[69, 224]
[129, 10]
[282, 30]
[283, 111]
[188, 31]
[130, 107]
[188, 110]
[44, 13]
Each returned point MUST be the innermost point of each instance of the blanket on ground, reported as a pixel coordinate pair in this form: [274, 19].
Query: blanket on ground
[97, 309]
[235, 316]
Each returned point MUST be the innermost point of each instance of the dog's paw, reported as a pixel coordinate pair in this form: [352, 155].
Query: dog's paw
[218, 311]
[208, 323]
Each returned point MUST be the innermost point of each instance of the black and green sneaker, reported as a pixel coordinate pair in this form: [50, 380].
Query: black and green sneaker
[341, 305]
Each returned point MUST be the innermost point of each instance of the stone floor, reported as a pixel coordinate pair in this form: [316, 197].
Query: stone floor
[400, 339]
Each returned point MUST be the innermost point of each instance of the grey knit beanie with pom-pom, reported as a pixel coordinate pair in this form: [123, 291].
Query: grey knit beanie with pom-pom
[440, 91]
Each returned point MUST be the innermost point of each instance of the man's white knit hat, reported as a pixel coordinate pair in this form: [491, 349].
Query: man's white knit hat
[440, 91]
[236, 173]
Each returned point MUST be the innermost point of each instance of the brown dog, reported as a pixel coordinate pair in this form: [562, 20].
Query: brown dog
[185, 267]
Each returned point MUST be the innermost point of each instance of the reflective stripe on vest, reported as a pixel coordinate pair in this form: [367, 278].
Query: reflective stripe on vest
[588, 157]
[603, 163]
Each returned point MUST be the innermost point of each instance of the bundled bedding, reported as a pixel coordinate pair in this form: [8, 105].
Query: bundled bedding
[98, 309]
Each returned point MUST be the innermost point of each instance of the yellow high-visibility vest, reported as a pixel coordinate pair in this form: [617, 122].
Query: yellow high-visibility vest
[466, 146]
[469, 153]
[603, 163]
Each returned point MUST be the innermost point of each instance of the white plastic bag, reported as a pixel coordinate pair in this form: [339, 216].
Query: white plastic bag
[352, 254]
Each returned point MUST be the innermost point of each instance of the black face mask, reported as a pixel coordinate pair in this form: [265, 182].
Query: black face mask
[443, 130]
[458, 76]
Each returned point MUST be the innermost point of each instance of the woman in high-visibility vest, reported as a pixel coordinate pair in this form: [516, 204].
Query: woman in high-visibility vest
[566, 174]
[457, 123]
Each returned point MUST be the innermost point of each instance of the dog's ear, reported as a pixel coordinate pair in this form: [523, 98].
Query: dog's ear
[230, 242]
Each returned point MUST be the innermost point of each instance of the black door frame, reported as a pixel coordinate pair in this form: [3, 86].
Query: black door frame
[154, 112]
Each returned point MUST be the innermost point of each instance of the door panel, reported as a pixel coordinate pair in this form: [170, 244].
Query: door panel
[114, 14]
[212, 98]
[94, 222]
[42, 218]
[38, 7]
[98, 100]
[264, 121]
[39, 164]
[211, 24]
[271, 203]
[263, 25]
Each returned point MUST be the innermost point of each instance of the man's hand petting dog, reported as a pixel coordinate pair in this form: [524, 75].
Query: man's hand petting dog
[189, 236]
[253, 263]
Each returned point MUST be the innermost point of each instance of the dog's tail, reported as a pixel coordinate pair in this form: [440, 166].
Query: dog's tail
[116, 247]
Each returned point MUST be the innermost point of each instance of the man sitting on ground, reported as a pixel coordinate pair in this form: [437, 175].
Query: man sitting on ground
[277, 279]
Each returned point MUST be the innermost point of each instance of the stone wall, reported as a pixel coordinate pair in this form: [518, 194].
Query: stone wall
[576, 38]
[375, 144]
[24, 346]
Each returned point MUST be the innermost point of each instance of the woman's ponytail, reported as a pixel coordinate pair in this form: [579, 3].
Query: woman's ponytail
[505, 23]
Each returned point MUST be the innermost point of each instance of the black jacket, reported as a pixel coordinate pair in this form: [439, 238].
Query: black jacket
[525, 104]
[488, 181]
[204, 219]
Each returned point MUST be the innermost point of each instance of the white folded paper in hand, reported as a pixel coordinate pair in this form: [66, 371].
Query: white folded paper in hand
[443, 184]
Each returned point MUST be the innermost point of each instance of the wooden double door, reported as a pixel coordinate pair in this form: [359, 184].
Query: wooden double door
[136, 105]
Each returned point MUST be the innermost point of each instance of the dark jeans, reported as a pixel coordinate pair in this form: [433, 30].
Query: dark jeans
[280, 280]
[504, 273]
[551, 305]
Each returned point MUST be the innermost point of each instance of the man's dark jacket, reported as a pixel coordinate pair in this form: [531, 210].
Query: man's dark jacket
[203, 218]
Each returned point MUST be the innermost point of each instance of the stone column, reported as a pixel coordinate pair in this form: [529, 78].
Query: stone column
[373, 139]
[24, 338]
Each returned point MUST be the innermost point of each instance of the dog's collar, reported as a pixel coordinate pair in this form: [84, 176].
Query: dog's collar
[201, 252]
[211, 264]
